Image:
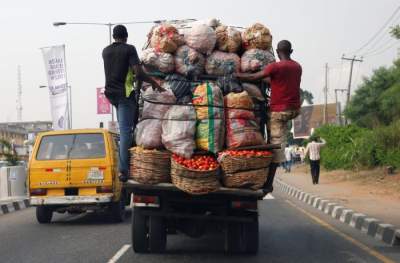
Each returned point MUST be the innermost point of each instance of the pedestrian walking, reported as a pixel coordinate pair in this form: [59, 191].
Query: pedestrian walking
[121, 68]
[313, 149]
[288, 157]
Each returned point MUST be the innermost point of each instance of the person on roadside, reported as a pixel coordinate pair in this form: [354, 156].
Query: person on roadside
[284, 77]
[313, 150]
[288, 157]
[121, 68]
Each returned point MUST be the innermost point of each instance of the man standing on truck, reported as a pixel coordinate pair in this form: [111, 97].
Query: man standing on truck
[121, 67]
[284, 77]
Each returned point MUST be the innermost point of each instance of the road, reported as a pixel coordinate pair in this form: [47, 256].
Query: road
[289, 232]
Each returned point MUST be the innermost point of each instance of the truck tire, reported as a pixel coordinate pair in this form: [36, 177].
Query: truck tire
[233, 238]
[250, 232]
[117, 211]
[43, 214]
[157, 234]
[139, 228]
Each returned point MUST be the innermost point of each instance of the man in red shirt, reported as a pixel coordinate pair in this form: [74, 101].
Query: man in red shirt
[284, 77]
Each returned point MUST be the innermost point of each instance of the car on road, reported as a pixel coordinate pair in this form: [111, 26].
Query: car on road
[75, 171]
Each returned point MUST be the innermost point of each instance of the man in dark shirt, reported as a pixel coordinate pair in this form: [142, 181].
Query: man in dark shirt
[121, 67]
[284, 77]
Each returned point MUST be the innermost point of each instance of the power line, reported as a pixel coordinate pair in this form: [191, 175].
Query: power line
[383, 50]
[379, 31]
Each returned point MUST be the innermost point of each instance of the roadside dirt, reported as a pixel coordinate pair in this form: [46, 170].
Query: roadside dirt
[371, 192]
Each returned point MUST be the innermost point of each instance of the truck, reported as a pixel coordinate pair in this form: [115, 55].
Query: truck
[162, 209]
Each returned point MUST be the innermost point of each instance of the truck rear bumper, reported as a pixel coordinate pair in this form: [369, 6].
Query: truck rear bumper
[71, 200]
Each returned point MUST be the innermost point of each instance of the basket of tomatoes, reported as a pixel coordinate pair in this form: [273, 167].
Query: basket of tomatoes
[197, 175]
[233, 161]
[150, 166]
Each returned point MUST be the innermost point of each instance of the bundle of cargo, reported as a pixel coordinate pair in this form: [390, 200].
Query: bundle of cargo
[256, 59]
[149, 129]
[228, 39]
[198, 175]
[208, 101]
[241, 125]
[189, 62]
[257, 36]
[165, 38]
[222, 63]
[244, 168]
[161, 61]
[202, 38]
[150, 166]
[178, 130]
[258, 100]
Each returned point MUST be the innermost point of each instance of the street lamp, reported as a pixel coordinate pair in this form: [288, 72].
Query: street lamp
[69, 103]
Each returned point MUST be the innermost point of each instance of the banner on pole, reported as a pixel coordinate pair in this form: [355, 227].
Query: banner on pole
[54, 61]
[103, 105]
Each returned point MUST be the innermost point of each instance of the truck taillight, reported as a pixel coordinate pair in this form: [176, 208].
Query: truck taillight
[104, 189]
[248, 205]
[38, 191]
[146, 200]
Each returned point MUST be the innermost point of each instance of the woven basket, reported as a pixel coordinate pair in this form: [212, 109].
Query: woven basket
[150, 166]
[232, 164]
[253, 179]
[193, 181]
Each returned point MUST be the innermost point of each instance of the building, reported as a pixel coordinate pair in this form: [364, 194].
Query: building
[21, 135]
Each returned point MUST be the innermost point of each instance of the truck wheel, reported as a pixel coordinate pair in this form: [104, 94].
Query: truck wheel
[250, 232]
[158, 234]
[139, 228]
[43, 214]
[233, 238]
[117, 211]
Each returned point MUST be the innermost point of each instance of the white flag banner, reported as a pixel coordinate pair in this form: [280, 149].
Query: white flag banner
[54, 61]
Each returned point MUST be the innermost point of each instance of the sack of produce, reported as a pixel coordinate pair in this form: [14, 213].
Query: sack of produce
[202, 38]
[160, 61]
[180, 86]
[239, 106]
[148, 134]
[209, 102]
[242, 132]
[253, 91]
[189, 62]
[178, 130]
[149, 130]
[257, 36]
[221, 63]
[255, 60]
[228, 39]
[165, 38]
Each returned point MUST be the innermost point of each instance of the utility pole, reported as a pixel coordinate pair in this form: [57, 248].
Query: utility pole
[19, 94]
[350, 76]
[338, 109]
[326, 94]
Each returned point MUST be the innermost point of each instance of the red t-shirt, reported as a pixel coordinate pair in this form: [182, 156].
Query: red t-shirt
[285, 84]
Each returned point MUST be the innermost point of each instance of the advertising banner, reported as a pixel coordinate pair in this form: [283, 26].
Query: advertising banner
[103, 105]
[54, 61]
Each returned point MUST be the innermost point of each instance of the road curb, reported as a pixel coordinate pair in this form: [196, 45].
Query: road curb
[386, 233]
[14, 206]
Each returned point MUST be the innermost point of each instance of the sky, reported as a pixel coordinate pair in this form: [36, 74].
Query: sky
[320, 32]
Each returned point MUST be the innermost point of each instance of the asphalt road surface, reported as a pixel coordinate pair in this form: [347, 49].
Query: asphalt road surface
[289, 232]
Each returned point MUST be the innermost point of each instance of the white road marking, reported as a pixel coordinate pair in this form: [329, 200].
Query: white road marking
[119, 253]
[268, 196]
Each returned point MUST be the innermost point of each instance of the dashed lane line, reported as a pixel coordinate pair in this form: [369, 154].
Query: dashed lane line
[268, 197]
[370, 251]
[119, 253]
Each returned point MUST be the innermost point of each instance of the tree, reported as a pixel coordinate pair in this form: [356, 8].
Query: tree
[395, 31]
[374, 103]
[9, 152]
[306, 96]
